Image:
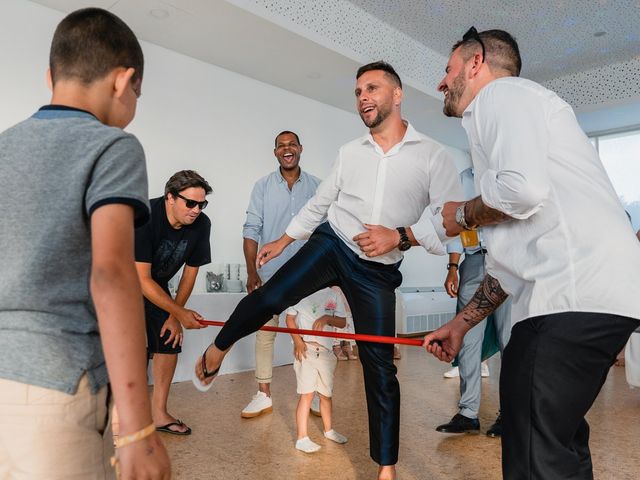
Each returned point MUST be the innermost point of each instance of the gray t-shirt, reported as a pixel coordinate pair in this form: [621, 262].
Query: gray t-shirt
[56, 168]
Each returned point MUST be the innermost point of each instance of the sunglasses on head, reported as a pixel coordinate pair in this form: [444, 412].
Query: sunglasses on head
[193, 203]
[472, 34]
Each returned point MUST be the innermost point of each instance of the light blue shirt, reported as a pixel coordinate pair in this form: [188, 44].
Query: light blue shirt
[469, 189]
[271, 208]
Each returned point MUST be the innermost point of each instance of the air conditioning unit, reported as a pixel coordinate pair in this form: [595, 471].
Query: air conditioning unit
[422, 309]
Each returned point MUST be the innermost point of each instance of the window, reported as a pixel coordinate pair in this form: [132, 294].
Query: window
[620, 155]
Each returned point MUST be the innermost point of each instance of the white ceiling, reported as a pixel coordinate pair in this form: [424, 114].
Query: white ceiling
[313, 47]
[556, 37]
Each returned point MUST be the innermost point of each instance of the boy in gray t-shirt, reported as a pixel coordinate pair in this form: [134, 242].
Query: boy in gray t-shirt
[73, 185]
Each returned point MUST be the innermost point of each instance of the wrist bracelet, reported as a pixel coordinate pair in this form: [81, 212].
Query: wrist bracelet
[449, 265]
[135, 436]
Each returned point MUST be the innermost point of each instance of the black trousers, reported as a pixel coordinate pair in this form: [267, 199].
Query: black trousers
[552, 371]
[369, 287]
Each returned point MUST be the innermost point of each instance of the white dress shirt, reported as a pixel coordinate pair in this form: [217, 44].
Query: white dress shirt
[570, 246]
[403, 187]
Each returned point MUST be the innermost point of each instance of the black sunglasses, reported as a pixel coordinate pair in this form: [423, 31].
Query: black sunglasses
[193, 203]
[472, 34]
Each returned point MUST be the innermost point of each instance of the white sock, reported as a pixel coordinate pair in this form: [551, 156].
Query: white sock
[335, 436]
[306, 445]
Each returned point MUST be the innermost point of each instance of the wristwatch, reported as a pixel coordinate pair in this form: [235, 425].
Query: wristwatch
[404, 244]
[460, 220]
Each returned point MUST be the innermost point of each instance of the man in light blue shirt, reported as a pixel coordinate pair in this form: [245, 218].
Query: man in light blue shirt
[472, 271]
[275, 200]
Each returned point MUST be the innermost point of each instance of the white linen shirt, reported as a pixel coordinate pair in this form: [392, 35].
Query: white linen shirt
[570, 247]
[403, 187]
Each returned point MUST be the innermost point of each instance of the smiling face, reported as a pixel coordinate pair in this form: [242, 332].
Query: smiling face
[454, 86]
[376, 96]
[178, 213]
[288, 151]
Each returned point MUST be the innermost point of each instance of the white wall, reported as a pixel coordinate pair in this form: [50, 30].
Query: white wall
[197, 116]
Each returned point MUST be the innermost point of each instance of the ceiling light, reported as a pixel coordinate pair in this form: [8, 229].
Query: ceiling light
[314, 75]
[600, 34]
[159, 13]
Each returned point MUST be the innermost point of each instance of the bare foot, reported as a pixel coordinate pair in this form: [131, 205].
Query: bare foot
[213, 360]
[387, 472]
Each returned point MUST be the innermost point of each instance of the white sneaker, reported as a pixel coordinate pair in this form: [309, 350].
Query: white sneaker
[453, 373]
[260, 404]
[484, 370]
[335, 436]
[315, 405]
[306, 445]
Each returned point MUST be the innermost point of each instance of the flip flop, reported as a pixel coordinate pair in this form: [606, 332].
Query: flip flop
[177, 423]
[207, 374]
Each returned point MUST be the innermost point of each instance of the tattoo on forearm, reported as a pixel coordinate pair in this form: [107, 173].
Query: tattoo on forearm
[487, 298]
[477, 213]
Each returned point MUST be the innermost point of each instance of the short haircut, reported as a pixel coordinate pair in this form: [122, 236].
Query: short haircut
[287, 132]
[501, 50]
[91, 42]
[385, 67]
[184, 179]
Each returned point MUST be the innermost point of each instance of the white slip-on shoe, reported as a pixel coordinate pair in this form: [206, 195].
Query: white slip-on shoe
[260, 404]
[306, 445]
[335, 436]
[453, 373]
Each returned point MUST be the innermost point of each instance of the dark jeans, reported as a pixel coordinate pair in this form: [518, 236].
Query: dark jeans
[369, 287]
[552, 371]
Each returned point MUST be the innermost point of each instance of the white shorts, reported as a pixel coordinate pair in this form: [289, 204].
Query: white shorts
[315, 373]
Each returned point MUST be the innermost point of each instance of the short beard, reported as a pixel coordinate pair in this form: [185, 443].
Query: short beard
[453, 98]
[379, 118]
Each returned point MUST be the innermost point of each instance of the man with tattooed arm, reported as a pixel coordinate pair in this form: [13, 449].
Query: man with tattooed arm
[551, 219]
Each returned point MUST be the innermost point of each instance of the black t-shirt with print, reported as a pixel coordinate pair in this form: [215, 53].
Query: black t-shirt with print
[167, 249]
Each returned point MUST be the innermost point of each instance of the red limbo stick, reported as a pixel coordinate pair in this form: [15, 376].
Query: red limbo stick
[318, 333]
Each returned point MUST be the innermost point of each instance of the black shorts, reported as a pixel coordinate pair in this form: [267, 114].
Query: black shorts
[155, 344]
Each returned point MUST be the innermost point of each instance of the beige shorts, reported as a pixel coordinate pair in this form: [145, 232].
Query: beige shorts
[47, 434]
[315, 373]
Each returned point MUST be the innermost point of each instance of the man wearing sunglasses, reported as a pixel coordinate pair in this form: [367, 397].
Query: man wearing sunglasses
[551, 220]
[177, 235]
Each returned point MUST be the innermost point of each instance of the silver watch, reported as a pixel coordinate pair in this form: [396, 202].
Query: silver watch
[460, 220]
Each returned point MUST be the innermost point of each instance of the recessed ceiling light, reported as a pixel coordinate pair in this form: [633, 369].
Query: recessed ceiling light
[159, 13]
[314, 75]
[599, 34]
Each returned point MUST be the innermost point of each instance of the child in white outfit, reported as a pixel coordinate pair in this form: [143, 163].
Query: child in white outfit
[315, 362]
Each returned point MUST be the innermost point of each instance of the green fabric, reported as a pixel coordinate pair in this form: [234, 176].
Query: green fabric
[490, 344]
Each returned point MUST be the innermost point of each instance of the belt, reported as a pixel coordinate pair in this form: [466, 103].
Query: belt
[482, 251]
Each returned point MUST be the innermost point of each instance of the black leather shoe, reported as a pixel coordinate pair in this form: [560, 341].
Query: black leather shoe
[495, 430]
[460, 424]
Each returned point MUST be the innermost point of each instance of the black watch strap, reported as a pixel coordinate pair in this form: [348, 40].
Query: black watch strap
[405, 243]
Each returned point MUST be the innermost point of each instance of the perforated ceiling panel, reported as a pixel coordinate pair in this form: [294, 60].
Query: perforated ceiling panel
[605, 85]
[582, 49]
[556, 37]
[350, 27]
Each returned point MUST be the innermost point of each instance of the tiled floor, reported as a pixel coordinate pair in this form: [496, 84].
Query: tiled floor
[225, 446]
